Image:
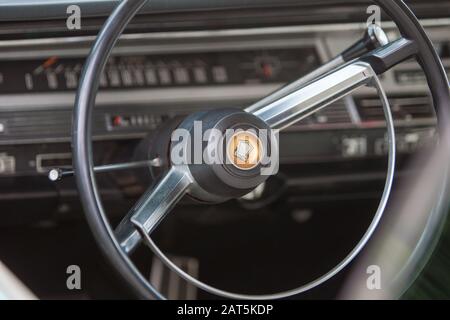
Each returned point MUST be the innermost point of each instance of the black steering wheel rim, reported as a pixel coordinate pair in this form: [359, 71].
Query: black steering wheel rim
[407, 23]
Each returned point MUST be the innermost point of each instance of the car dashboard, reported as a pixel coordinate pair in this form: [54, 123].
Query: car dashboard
[332, 164]
[154, 77]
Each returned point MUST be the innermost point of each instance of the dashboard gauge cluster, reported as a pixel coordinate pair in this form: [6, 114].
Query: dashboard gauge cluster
[148, 83]
[55, 74]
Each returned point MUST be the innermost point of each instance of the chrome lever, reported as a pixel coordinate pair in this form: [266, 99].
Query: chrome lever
[57, 174]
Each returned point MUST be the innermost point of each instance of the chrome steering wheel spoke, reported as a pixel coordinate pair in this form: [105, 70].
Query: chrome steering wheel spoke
[152, 207]
[302, 99]
[316, 95]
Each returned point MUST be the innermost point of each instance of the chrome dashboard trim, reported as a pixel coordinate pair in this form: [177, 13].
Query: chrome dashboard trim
[40, 51]
[441, 22]
[37, 101]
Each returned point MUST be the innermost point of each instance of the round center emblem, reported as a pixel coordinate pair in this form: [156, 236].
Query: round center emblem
[244, 150]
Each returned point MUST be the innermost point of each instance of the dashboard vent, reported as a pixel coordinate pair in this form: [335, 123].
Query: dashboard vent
[44, 124]
[404, 109]
[331, 116]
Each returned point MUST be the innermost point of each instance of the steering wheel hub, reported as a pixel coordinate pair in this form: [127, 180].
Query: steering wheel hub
[227, 152]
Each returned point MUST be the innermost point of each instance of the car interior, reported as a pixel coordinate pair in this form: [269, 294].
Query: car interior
[355, 95]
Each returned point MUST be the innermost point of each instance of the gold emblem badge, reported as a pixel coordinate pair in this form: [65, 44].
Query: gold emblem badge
[245, 150]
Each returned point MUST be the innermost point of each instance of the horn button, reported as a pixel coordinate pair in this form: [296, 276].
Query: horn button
[245, 150]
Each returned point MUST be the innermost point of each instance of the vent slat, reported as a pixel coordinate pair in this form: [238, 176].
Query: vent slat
[334, 114]
[403, 108]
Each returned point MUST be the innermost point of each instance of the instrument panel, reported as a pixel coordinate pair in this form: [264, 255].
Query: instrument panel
[56, 74]
[148, 82]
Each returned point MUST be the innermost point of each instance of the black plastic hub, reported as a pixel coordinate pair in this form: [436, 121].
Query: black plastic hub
[222, 178]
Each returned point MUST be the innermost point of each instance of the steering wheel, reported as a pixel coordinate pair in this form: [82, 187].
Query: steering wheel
[247, 157]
